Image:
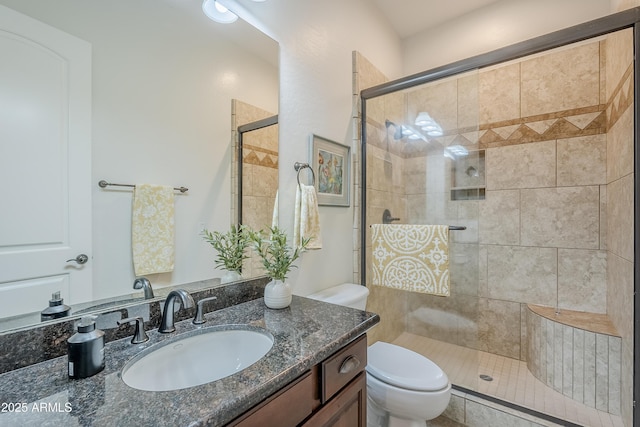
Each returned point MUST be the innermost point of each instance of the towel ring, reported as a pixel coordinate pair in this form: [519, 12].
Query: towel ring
[299, 166]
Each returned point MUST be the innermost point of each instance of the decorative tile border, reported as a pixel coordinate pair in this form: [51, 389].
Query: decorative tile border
[254, 155]
[565, 124]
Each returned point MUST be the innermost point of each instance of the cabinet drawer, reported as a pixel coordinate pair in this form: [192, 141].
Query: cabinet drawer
[288, 407]
[342, 367]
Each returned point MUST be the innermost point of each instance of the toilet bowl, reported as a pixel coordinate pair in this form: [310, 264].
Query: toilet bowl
[404, 388]
[406, 384]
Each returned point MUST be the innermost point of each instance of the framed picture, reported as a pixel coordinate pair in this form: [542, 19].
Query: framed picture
[330, 162]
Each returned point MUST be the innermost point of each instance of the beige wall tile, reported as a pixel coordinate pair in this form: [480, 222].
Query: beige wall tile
[464, 268]
[602, 372]
[603, 217]
[415, 170]
[620, 217]
[500, 218]
[499, 94]
[626, 390]
[439, 99]
[450, 319]
[615, 381]
[620, 295]
[468, 101]
[566, 217]
[521, 166]
[390, 305]
[561, 80]
[619, 54]
[522, 274]
[620, 147]
[582, 280]
[582, 161]
[499, 327]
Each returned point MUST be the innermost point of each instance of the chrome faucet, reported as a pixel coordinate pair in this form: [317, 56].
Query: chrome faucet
[166, 325]
[198, 318]
[144, 284]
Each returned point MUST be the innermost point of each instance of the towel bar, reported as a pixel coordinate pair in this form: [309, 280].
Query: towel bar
[104, 184]
[452, 227]
[299, 166]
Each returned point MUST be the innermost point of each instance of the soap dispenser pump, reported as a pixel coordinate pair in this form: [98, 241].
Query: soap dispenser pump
[56, 308]
[86, 349]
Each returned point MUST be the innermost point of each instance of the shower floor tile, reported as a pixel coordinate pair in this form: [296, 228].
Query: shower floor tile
[511, 382]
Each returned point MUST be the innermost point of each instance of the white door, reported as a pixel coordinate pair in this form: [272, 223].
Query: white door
[45, 164]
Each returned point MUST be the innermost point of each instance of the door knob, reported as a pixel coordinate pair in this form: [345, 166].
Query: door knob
[80, 259]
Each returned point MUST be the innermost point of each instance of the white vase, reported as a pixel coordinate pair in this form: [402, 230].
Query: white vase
[230, 276]
[277, 294]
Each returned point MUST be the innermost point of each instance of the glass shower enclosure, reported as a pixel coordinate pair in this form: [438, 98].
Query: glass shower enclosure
[527, 154]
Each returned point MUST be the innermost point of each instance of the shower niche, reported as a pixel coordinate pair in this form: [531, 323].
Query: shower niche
[467, 174]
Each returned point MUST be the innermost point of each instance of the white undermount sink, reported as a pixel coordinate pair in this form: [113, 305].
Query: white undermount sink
[199, 358]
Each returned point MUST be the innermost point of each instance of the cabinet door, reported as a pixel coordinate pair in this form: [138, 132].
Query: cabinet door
[287, 408]
[347, 409]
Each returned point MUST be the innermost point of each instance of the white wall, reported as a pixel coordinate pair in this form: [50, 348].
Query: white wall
[316, 43]
[497, 25]
[162, 89]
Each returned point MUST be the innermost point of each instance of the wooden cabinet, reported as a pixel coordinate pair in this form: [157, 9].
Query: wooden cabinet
[331, 394]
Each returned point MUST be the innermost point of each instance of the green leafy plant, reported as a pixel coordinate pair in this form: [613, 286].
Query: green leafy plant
[277, 257]
[230, 246]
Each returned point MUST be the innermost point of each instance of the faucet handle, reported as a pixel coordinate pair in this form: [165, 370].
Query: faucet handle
[140, 335]
[198, 320]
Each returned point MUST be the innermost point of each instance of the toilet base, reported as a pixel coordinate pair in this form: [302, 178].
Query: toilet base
[378, 417]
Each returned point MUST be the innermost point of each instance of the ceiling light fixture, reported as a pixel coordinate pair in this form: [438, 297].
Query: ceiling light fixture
[217, 12]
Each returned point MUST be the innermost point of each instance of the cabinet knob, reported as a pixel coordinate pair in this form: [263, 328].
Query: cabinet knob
[349, 364]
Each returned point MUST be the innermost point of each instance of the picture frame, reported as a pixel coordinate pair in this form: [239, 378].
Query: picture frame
[331, 163]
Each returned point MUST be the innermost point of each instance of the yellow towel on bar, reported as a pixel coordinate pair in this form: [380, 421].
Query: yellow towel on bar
[306, 217]
[411, 257]
[152, 229]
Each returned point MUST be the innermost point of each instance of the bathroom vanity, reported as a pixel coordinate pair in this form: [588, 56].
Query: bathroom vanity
[312, 376]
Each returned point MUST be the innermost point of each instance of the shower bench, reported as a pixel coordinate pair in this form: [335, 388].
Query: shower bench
[576, 353]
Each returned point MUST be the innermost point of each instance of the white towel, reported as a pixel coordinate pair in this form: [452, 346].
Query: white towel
[307, 219]
[411, 257]
[275, 218]
[152, 229]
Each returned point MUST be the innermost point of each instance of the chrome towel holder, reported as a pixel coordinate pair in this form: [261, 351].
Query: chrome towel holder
[298, 166]
[103, 184]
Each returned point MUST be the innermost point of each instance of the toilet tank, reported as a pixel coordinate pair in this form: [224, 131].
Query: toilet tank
[347, 294]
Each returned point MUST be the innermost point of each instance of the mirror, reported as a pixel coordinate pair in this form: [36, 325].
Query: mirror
[257, 172]
[160, 80]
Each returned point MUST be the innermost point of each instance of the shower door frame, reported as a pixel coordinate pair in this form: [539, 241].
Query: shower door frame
[599, 27]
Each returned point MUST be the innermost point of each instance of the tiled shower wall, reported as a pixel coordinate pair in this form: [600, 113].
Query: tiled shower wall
[259, 174]
[556, 225]
[620, 188]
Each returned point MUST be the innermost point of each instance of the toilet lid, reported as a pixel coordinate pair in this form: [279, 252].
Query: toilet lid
[404, 368]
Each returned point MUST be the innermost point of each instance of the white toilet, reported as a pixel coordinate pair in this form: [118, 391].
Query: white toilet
[404, 388]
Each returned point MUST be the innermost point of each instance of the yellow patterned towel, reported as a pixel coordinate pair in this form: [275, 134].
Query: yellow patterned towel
[306, 217]
[411, 257]
[152, 229]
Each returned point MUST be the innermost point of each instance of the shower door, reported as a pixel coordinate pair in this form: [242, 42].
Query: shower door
[423, 166]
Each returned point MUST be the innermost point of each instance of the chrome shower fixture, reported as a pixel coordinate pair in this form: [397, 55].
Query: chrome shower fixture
[398, 129]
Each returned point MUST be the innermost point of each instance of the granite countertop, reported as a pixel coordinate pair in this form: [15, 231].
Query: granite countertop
[304, 334]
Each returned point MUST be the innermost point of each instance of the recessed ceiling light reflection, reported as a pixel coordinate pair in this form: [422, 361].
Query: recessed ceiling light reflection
[217, 12]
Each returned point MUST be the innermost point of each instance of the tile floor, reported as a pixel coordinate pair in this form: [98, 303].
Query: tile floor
[512, 381]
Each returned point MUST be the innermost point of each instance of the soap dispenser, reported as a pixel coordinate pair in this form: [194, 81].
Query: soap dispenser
[86, 349]
[56, 308]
